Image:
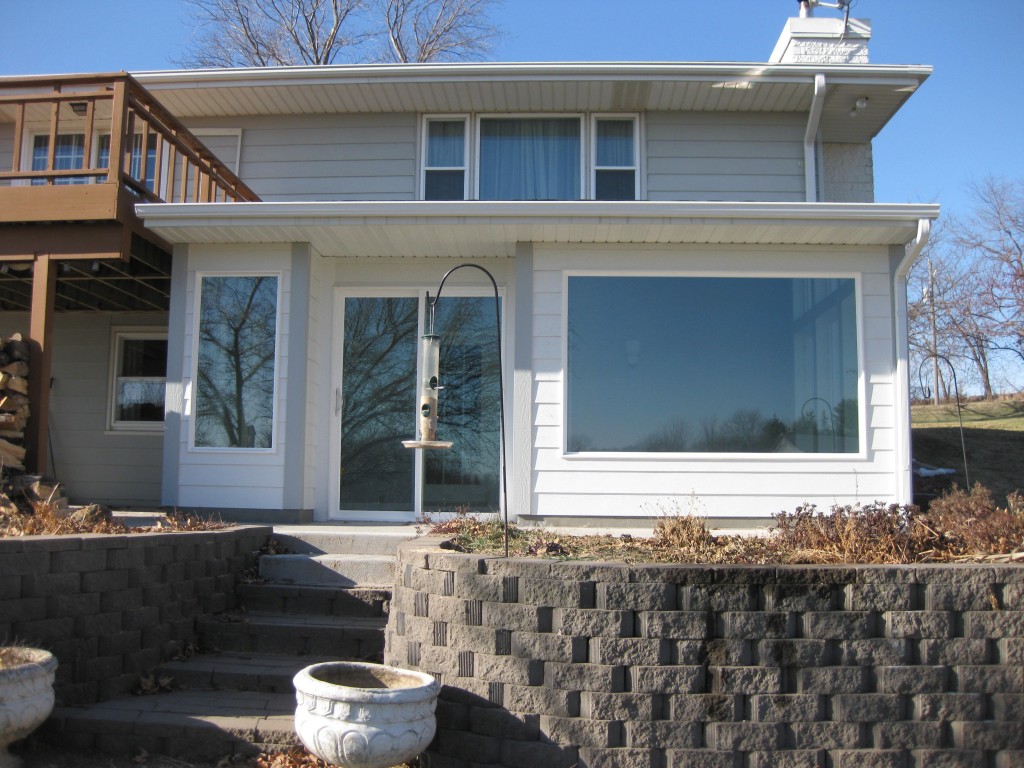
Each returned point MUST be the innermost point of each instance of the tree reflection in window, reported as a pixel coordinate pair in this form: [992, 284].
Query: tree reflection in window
[237, 347]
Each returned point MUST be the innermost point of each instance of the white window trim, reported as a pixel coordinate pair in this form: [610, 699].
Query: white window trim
[862, 389]
[588, 146]
[129, 427]
[595, 118]
[194, 365]
[467, 153]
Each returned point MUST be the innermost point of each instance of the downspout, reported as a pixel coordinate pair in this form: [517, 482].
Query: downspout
[811, 139]
[901, 384]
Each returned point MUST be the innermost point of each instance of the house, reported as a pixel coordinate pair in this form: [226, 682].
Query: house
[700, 301]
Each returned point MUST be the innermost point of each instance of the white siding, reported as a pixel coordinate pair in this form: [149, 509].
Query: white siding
[333, 157]
[235, 478]
[95, 465]
[617, 486]
[724, 156]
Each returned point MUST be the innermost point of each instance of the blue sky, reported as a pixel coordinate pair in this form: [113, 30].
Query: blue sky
[962, 125]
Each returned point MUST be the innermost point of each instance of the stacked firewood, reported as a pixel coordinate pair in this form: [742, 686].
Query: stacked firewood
[14, 405]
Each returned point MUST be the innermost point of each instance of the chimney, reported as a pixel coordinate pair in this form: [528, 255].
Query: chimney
[811, 40]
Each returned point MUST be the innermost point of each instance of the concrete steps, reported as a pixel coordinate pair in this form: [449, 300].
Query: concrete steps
[326, 599]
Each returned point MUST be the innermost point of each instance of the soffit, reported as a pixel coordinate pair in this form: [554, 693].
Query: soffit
[544, 88]
[485, 229]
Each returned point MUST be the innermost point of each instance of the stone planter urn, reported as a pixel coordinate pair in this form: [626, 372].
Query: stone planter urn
[26, 695]
[359, 715]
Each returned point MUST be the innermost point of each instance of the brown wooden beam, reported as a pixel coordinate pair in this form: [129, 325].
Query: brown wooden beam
[67, 241]
[44, 285]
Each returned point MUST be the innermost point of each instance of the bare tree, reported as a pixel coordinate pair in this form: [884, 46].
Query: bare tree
[436, 30]
[262, 33]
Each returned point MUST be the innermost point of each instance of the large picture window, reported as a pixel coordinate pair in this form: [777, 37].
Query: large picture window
[234, 400]
[712, 365]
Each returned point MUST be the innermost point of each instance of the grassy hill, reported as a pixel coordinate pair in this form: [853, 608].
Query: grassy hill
[993, 437]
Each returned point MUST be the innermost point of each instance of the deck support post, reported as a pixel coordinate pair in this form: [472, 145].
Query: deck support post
[44, 283]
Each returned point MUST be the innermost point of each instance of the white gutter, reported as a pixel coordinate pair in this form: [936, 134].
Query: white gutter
[811, 139]
[901, 384]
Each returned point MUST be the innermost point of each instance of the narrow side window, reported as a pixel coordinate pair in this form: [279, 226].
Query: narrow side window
[444, 166]
[615, 159]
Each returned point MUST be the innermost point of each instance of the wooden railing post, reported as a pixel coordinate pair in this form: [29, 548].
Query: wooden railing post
[118, 121]
[44, 285]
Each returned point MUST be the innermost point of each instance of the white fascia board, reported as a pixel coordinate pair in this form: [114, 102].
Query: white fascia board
[326, 213]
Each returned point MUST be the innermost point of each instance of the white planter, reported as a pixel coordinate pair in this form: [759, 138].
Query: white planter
[359, 715]
[26, 697]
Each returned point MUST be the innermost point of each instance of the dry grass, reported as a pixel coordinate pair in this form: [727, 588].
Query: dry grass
[959, 526]
[45, 519]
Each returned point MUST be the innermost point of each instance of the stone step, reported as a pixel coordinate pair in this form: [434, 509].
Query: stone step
[329, 570]
[343, 538]
[276, 633]
[196, 725]
[323, 601]
[238, 671]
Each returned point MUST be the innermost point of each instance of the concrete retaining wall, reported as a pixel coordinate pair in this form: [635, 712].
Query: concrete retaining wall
[550, 663]
[112, 607]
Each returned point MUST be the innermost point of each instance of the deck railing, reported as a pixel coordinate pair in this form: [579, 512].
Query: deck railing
[107, 129]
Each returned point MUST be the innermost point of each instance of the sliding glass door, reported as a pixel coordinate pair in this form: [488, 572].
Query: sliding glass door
[378, 478]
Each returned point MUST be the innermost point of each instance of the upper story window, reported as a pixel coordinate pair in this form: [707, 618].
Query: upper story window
[530, 158]
[69, 155]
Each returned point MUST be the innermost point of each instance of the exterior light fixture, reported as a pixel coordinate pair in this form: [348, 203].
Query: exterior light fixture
[858, 105]
[80, 108]
[430, 386]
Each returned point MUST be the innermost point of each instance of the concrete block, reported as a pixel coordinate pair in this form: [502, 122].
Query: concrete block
[987, 679]
[868, 707]
[717, 597]
[636, 597]
[679, 625]
[72, 604]
[518, 618]
[788, 758]
[124, 600]
[630, 650]
[549, 647]
[968, 595]
[470, 586]
[584, 677]
[499, 723]
[955, 651]
[918, 624]
[531, 568]
[907, 735]
[874, 652]
[43, 632]
[46, 584]
[663, 734]
[699, 758]
[98, 624]
[623, 757]
[912, 679]
[542, 700]
[994, 624]
[869, 758]
[595, 705]
[838, 625]
[120, 643]
[795, 653]
[800, 597]
[745, 737]
[989, 736]
[832, 680]
[1006, 706]
[945, 758]
[558, 594]
[875, 596]
[593, 623]
[1010, 650]
[127, 558]
[465, 745]
[705, 707]
[585, 571]
[140, 618]
[747, 680]
[101, 667]
[1012, 758]
[507, 669]
[578, 732]
[78, 560]
[826, 735]
[451, 715]
[949, 706]
[531, 754]
[665, 679]
[786, 708]
[720, 652]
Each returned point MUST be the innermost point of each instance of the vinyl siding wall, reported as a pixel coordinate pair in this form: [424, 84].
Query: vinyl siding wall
[95, 464]
[725, 156]
[332, 157]
[595, 486]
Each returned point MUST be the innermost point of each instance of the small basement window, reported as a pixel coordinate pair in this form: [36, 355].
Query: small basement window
[138, 381]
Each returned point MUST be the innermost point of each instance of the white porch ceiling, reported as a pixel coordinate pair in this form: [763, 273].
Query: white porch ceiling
[483, 229]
